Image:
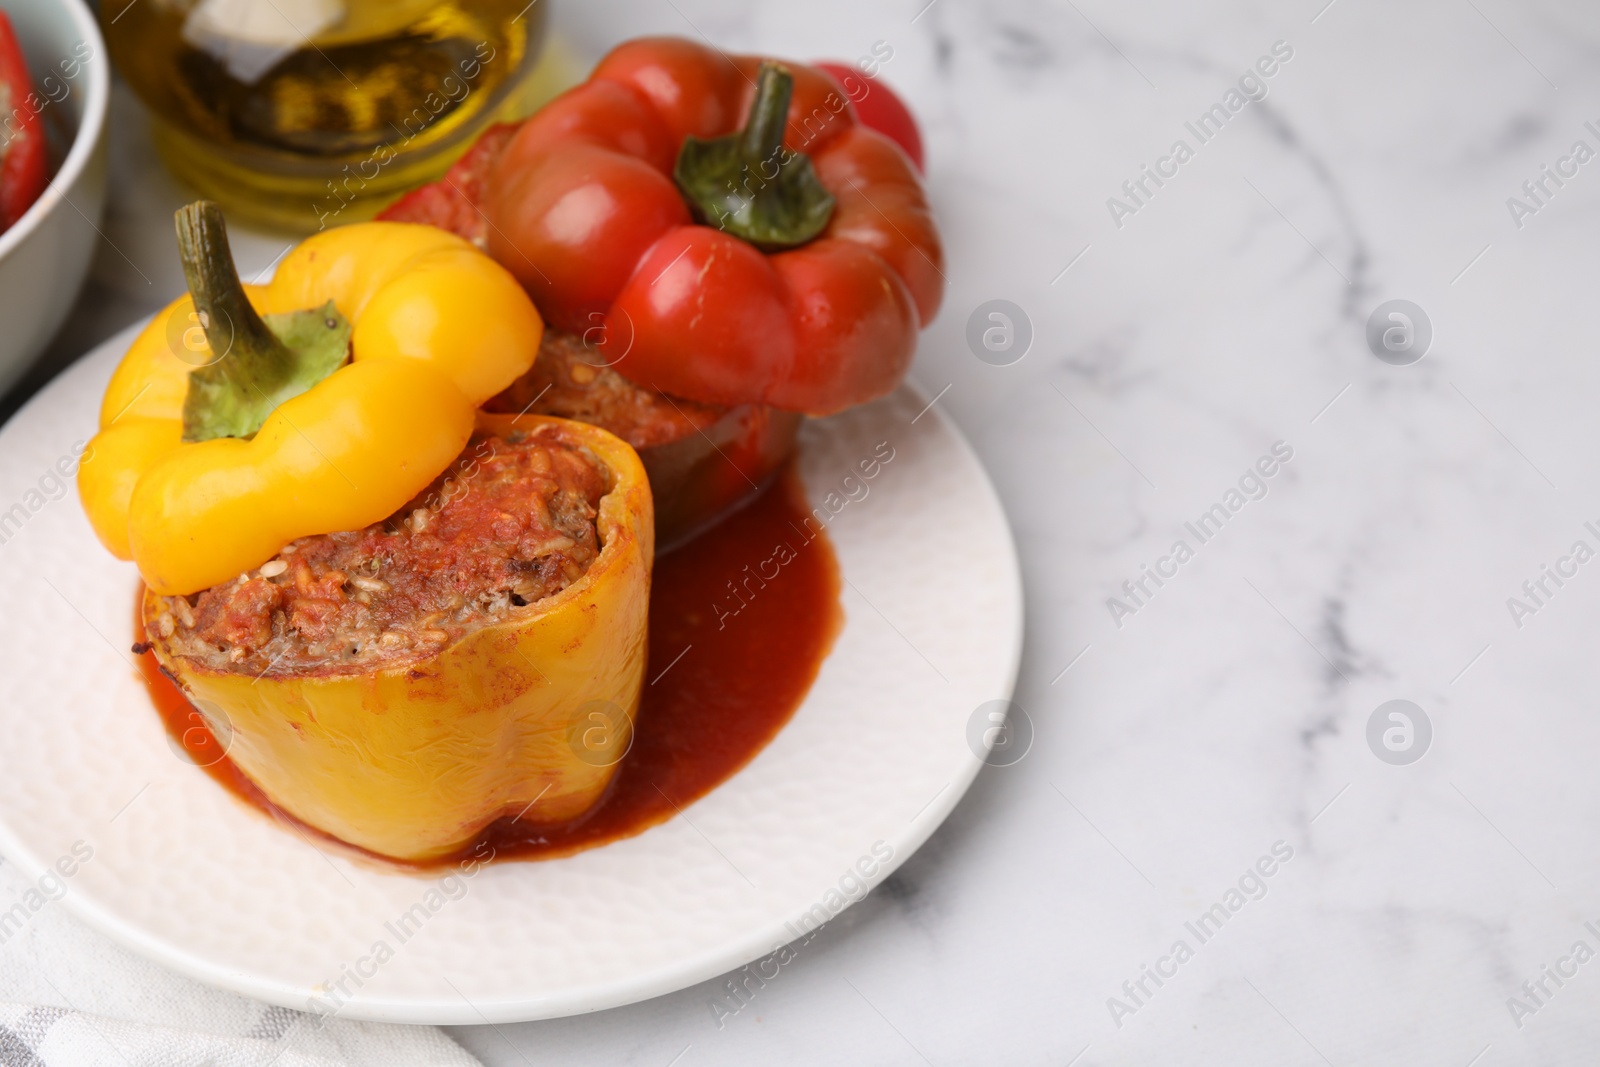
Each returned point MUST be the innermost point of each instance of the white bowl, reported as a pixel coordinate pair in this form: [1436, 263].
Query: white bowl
[45, 256]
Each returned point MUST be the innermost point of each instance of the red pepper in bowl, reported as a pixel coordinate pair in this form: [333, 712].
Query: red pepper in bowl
[22, 148]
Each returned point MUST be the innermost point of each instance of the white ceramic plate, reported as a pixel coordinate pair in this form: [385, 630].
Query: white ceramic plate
[187, 875]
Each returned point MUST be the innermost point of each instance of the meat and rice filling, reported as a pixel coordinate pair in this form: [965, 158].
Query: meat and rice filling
[571, 381]
[510, 523]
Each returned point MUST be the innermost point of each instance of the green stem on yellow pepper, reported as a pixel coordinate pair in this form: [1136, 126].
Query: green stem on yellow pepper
[256, 362]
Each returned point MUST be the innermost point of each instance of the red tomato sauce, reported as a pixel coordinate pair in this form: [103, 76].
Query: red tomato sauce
[741, 619]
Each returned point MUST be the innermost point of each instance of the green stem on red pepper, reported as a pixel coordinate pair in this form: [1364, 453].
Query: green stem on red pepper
[748, 183]
[256, 362]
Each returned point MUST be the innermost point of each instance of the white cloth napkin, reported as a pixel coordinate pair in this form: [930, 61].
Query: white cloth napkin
[70, 997]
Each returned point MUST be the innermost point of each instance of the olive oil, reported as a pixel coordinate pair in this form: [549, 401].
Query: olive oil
[309, 113]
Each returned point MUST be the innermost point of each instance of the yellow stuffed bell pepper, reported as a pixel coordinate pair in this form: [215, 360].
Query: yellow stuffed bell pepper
[402, 623]
[519, 713]
[206, 463]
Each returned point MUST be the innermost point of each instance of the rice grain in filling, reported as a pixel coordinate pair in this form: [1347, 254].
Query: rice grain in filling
[510, 523]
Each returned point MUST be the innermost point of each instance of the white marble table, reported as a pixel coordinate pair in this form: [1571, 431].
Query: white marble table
[1226, 717]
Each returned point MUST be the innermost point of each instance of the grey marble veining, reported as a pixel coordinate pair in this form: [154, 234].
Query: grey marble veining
[1178, 745]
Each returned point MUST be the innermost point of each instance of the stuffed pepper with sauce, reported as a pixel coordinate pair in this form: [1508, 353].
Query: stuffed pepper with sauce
[721, 246]
[403, 624]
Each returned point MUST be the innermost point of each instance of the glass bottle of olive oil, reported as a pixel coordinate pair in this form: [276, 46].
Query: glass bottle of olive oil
[309, 113]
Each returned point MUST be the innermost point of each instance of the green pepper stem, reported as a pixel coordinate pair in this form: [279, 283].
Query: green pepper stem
[746, 184]
[769, 115]
[232, 327]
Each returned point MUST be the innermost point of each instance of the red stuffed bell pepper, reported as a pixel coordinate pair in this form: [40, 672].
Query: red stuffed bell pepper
[741, 238]
[878, 108]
